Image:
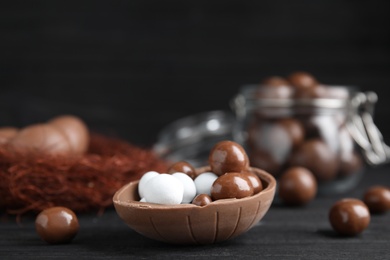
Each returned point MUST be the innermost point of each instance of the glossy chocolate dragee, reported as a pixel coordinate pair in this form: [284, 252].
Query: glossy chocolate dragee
[377, 199]
[228, 156]
[231, 185]
[302, 136]
[349, 217]
[202, 200]
[183, 167]
[57, 225]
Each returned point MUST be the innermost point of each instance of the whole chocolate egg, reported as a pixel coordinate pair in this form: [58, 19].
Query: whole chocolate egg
[317, 157]
[228, 156]
[231, 185]
[41, 138]
[75, 131]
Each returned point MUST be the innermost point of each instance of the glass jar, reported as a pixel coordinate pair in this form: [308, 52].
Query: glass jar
[333, 136]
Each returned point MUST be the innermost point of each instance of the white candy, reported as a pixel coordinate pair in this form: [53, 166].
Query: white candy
[144, 179]
[164, 189]
[142, 200]
[204, 181]
[188, 184]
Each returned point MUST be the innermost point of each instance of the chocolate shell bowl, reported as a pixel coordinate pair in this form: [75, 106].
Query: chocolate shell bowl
[191, 224]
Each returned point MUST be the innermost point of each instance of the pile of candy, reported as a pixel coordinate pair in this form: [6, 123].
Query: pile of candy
[229, 177]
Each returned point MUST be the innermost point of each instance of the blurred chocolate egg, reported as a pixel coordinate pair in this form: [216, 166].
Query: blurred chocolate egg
[75, 131]
[7, 133]
[41, 138]
[317, 157]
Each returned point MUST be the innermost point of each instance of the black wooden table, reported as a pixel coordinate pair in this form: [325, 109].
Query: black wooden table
[284, 233]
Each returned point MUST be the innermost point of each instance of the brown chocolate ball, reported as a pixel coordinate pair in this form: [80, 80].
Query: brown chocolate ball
[231, 185]
[302, 80]
[183, 167]
[317, 157]
[228, 156]
[275, 81]
[202, 200]
[377, 199]
[57, 225]
[316, 91]
[254, 181]
[297, 186]
[349, 217]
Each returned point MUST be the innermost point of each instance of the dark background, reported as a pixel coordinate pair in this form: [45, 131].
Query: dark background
[130, 67]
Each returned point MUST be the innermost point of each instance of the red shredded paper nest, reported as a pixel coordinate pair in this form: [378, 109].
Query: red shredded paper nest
[31, 184]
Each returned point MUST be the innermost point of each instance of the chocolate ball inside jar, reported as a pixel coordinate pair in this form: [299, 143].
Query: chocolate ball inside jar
[351, 161]
[302, 80]
[228, 156]
[316, 156]
[264, 160]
